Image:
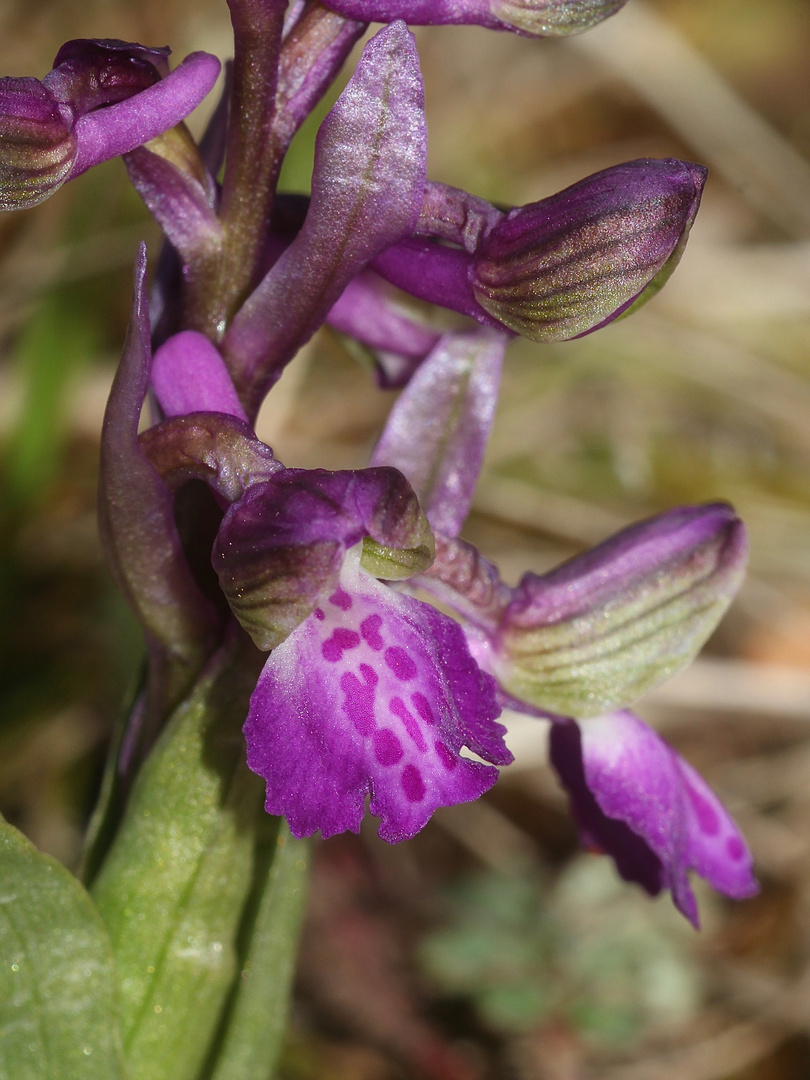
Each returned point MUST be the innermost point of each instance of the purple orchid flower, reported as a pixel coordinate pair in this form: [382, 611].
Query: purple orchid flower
[586, 639]
[102, 99]
[558, 268]
[536, 18]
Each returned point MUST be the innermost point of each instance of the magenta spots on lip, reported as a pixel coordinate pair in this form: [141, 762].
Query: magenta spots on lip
[370, 629]
[387, 747]
[707, 817]
[412, 784]
[358, 700]
[318, 613]
[422, 706]
[400, 663]
[341, 639]
[398, 708]
[735, 847]
[445, 757]
[341, 599]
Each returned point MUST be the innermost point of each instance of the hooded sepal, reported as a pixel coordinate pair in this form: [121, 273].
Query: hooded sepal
[438, 429]
[601, 630]
[374, 695]
[103, 98]
[367, 187]
[279, 550]
[570, 263]
[636, 799]
[37, 143]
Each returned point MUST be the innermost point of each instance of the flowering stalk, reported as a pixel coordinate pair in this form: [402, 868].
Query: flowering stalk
[283, 601]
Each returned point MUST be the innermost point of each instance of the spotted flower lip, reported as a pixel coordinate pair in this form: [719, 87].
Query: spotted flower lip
[372, 696]
[635, 798]
[535, 18]
[101, 99]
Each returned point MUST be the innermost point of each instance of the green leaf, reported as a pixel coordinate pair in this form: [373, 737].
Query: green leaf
[58, 999]
[255, 1024]
[173, 889]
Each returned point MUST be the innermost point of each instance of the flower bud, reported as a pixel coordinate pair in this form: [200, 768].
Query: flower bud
[599, 631]
[81, 113]
[37, 143]
[570, 263]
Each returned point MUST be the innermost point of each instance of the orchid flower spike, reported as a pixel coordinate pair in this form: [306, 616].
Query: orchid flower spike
[102, 99]
[367, 693]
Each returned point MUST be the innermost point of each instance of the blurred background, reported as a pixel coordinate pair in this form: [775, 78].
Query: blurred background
[489, 947]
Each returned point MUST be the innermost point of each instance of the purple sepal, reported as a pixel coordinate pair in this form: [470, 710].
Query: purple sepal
[438, 429]
[636, 799]
[535, 18]
[121, 127]
[189, 375]
[566, 265]
[598, 632]
[179, 191]
[366, 311]
[136, 513]
[279, 549]
[373, 696]
[434, 273]
[37, 143]
[367, 188]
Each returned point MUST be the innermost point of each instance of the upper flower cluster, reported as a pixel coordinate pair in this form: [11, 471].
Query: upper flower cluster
[368, 691]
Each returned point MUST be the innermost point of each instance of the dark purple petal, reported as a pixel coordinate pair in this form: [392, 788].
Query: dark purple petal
[438, 429]
[537, 18]
[37, 144]
[604, 628]
[366, 192]
[189, 375]
[373, 696]
[568, 264]
[280, 548]
[121, 127]
[366, 311]
[136, 514]
[634, 797]
[88, 74]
